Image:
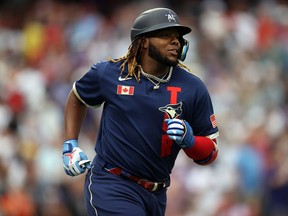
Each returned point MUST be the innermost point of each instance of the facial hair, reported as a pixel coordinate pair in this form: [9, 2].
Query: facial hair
[156, 54]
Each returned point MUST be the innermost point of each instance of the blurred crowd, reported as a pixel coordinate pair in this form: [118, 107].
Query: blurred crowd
[238, 48]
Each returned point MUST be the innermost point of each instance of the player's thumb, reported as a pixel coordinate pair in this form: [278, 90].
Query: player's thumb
[83, 156]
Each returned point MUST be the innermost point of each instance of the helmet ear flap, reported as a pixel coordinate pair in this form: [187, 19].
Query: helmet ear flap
[185, 47]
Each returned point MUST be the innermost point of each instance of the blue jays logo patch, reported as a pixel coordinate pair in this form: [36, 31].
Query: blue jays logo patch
[172, 110]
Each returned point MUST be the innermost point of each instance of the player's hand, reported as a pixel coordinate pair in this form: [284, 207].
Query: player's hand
[75, 161]
[181, 132]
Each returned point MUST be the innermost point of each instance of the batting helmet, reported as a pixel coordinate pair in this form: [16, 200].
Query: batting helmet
[156, 19]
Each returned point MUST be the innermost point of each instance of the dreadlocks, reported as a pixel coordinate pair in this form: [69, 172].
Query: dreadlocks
[131, 58]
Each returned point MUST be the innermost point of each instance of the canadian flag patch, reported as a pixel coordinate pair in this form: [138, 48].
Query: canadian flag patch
[125, 90]
[213, 121]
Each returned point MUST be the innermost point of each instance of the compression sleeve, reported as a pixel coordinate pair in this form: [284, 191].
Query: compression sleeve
[204, 151]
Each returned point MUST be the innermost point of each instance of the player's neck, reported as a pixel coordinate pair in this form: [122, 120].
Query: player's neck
[155, 69]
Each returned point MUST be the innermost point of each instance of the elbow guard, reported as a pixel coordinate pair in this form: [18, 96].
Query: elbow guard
[204, 151]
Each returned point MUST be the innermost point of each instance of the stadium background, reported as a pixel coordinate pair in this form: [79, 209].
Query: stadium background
[238, 48]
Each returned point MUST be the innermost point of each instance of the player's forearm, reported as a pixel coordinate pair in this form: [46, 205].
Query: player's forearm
[204, 151]
[75, 112]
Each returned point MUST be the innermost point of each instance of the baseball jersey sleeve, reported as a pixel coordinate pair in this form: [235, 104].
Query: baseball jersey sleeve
[88, 87]
[203, 120]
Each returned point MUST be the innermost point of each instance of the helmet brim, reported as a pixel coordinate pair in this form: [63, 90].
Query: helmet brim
[183, 30]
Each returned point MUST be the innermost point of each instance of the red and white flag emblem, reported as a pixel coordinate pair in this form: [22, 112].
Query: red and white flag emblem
[213, 121]
[125, 90]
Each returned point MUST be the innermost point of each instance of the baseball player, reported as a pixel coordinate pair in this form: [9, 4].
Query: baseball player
[153, 108]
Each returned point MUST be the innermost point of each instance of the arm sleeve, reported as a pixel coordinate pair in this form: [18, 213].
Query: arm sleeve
[204, 125]
[204, 151]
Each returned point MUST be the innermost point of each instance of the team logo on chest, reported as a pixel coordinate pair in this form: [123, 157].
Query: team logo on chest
[172, 110]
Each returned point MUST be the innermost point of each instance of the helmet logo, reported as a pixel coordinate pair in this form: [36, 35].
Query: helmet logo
[170, 16]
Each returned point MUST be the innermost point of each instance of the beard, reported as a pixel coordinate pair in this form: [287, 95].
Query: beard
[156, 55]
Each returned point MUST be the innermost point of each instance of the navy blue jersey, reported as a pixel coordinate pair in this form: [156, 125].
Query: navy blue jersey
[132, 132]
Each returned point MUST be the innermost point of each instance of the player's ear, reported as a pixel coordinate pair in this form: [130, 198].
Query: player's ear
[145, 42]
